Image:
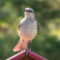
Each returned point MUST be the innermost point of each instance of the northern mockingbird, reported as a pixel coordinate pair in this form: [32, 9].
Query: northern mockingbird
[27, 30]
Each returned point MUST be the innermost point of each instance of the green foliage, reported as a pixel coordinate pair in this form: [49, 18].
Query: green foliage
[47, 42]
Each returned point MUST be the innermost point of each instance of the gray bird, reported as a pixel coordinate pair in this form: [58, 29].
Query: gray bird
[27, 30]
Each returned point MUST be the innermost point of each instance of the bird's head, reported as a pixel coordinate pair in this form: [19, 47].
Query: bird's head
[29, 12]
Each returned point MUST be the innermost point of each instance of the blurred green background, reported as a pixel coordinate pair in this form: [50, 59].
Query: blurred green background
[47, 41]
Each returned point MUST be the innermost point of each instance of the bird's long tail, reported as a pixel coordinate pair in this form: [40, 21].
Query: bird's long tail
[21, 45]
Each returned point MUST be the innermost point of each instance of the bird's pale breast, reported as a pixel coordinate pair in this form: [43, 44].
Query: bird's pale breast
[28, 29]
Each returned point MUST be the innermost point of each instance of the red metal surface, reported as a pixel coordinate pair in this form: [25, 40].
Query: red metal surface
[36, 56]
[22, 54]
[17, 56]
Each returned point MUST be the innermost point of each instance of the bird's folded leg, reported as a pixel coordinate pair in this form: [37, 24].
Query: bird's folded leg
[25, 45]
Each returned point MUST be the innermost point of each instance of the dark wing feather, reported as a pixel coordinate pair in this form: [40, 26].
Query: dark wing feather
[19, 26]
